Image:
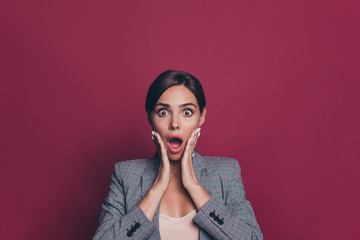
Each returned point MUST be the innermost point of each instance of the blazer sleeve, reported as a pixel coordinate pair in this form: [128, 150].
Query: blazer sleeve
[115, 222]
[233, 220]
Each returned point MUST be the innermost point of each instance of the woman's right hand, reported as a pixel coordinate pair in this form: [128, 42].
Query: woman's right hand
[152, 199]
[163, 176]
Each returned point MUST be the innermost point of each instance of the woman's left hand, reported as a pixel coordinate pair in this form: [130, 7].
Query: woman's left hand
[187, 169]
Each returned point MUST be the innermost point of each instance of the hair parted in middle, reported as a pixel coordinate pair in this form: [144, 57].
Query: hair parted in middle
[171, 78]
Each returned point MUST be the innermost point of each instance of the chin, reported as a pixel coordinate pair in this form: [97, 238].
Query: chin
[175, 156]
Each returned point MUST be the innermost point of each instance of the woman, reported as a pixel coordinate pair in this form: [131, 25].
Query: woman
[177, 194]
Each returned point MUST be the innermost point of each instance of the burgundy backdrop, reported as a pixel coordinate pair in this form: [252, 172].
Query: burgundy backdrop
[281, 79]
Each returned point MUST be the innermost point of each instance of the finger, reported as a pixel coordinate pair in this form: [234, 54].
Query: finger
[161, 143]
[195, 137]
[190, 145]
[157, 143]
[155, 140]
[163, 152]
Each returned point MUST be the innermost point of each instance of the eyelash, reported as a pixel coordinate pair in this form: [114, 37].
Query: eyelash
[191, 112]
[160, 110]
[167, 112]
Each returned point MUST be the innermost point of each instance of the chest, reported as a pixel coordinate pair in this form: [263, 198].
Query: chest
[176, 202]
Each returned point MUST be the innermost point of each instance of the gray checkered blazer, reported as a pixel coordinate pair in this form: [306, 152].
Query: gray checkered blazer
[227, 215]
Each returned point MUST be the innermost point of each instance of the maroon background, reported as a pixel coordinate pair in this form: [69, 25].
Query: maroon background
[281, 79]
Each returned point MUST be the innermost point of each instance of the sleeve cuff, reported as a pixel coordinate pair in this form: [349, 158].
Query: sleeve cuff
[212, 212]
[138, 224]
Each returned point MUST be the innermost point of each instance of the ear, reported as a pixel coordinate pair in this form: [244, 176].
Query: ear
[202, 117]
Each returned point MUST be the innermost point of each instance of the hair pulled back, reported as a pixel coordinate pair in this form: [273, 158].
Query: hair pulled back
[171, 78]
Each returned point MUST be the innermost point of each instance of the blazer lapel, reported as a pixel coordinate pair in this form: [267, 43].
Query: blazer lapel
[201, 171]
[149, 175]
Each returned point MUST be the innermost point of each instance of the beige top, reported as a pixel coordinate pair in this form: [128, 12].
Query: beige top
[178, 228]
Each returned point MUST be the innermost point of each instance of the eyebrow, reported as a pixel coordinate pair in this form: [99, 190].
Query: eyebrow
[182, 105]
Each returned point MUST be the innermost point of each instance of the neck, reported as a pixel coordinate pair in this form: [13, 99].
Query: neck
[175, 169]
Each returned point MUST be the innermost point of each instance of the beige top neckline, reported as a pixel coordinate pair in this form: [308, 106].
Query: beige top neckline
[178, 228]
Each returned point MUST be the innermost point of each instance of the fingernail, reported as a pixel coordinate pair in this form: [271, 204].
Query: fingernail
[153, 135]
[199, 134]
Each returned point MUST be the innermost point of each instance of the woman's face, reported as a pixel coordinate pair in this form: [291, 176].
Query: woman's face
[175, 116]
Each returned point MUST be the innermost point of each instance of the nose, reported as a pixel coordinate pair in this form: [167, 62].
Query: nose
[175, 123]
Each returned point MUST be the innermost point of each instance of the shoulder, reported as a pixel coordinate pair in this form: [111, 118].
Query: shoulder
[134, 167]
[221, 164]
[223, 173]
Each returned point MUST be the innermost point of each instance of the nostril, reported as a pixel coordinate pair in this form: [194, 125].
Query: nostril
[174, 125]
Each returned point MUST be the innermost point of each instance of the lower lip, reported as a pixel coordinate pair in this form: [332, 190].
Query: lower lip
[175, 150]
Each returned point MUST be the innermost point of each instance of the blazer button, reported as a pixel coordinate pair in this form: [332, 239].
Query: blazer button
[137, 225]
[129, 233]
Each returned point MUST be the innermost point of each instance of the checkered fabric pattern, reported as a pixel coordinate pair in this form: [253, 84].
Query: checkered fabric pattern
[227, 215]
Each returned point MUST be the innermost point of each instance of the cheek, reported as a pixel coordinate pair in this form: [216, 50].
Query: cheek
[192, 122]
[191, 125]
[158, 123]
[161, 127]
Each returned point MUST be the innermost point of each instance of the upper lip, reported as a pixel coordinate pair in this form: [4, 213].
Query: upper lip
[175, 136]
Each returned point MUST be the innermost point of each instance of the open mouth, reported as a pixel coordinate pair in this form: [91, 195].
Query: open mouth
[175, 143]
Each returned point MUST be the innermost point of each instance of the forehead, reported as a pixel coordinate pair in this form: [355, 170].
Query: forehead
[178, 94]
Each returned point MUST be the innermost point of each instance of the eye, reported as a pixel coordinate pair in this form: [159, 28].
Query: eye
[163, 112]
[188, 112]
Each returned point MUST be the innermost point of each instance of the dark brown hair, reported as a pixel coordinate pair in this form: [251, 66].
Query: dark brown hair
[173, 78]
